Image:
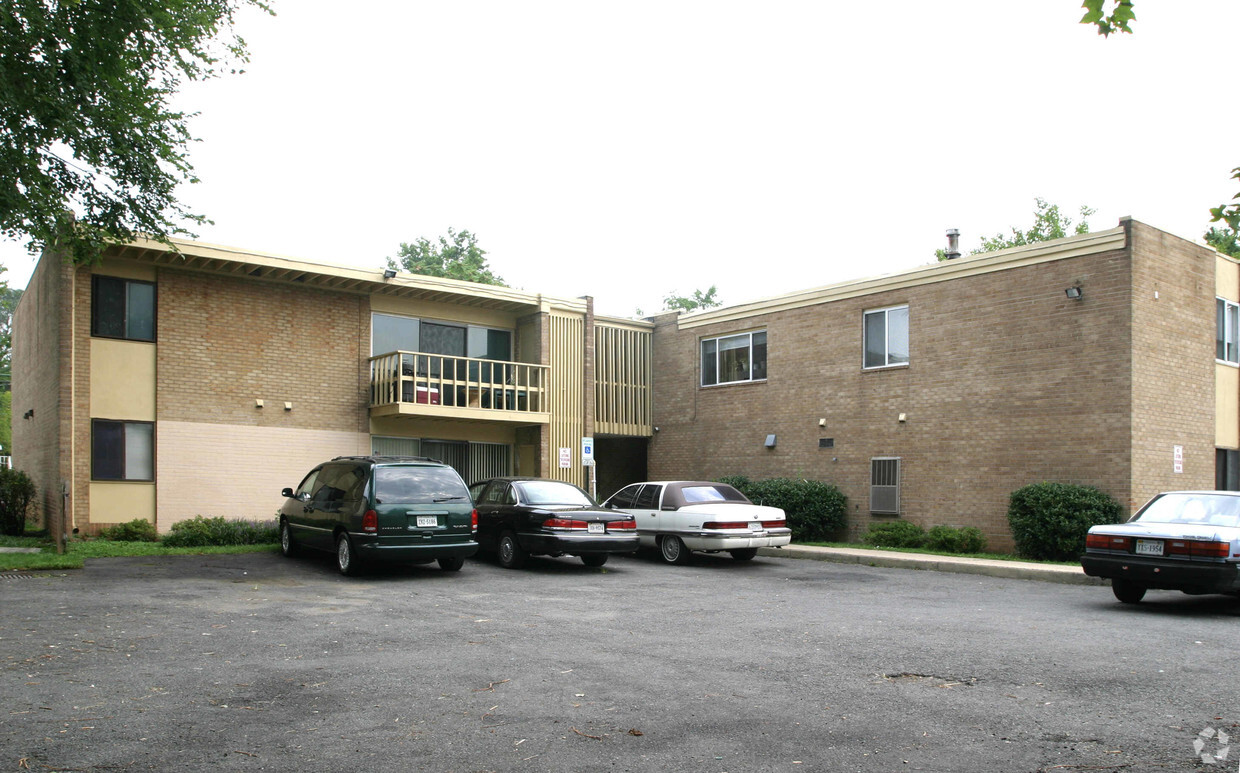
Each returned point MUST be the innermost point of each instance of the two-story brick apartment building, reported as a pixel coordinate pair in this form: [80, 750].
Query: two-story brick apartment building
[1107, 359]
[165, 384]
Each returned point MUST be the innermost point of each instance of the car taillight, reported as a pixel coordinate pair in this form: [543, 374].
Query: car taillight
[773, 524]
[473, 521]
[564, 523]
[370, 521]
[1107, 542]
[622, 526]
[1208, 549]
[726, 525]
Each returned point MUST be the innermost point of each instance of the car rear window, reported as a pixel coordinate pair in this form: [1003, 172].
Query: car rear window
[699, 494]
[1193, 508]
[418, 485]
[550, 492]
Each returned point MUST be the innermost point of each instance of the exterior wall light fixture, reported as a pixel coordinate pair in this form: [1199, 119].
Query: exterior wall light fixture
[1074, 293]
[389, 273]
[770, 441]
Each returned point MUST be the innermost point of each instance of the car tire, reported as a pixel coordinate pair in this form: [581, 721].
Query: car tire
[744, 554]
[1127, 591]
[346, 557]
[511, 555]
[451, 564]
[288, 545]
[673, 550]
[594, 559]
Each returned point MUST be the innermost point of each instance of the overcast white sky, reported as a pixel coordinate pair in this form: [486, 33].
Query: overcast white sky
[625, 150]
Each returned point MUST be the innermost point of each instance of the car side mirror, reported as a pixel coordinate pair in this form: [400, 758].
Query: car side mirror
[287, 493]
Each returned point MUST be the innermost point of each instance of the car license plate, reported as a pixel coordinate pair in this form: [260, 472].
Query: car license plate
[596, 528]
[755, 525]
[1149, 547]
[428, 521]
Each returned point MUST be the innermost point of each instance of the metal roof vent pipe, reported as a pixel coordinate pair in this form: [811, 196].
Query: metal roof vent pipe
[953, 244]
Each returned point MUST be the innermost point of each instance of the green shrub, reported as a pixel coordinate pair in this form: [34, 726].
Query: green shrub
[816, 511]
[16, 492]
[200, 531]
[896, 534]
[948, 539]
[137, 530]
[1049, 520]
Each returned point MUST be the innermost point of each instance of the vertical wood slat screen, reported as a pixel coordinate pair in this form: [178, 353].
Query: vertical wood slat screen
[622, 375]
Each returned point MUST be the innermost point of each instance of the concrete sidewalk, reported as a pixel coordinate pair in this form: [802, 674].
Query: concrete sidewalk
[1018, 570]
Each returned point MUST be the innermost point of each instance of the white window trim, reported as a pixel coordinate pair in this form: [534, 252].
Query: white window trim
[886, 338]
[1235, 332]
[751, 380]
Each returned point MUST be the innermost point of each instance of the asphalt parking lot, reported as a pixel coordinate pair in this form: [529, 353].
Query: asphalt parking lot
[257, 662]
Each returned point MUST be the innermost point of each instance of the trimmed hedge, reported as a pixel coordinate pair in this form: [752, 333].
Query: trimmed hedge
[16, 492]
[816, 511]
[1049, 520]
[200, 532]
[896, 534]
[137, 530]
[948, 539]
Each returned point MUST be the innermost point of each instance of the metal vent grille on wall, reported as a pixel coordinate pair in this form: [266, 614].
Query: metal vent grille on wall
[885, 486]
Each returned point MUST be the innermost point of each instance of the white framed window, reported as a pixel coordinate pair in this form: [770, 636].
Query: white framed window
[886, 337]
[122, 450]
[885, 485]
[734, 359]
[1227, 330]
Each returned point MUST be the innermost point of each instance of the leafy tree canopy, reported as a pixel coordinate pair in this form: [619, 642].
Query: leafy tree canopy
[1119, 19]
[8, 304]
[1225, 240]
[698, 301]
[456, 256]
[1048, 223]
[1109, 15]
[86, 122]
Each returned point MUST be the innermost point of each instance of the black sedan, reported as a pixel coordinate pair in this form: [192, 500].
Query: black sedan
[521, 517]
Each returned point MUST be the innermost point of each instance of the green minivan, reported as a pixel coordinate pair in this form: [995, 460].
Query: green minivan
[367, 509]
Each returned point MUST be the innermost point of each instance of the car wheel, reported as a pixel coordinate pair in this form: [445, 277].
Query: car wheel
[452, 564]
[594, 559]
[1127, 591]
[673, 550]
[511, 556]
[744, 554]
[346, 556]
[288, 546]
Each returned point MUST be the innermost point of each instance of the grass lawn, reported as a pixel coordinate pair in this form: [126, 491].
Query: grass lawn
[77, 551]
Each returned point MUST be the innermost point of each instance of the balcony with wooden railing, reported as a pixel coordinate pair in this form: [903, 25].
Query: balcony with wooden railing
[443, 386]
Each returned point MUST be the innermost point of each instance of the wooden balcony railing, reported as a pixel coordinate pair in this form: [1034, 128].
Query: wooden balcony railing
[414, 378]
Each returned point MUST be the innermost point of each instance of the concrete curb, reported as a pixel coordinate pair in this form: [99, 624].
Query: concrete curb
[1016, 570]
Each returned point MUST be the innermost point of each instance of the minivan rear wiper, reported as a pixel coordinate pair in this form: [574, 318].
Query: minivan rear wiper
[446, 499]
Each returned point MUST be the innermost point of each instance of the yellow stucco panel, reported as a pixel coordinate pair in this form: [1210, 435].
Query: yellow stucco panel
[120, 502]
[1226, 406]
[1226, 278]
[122, 380]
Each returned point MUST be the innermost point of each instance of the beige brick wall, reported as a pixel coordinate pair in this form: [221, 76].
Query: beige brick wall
[237, 471]
[1010, 383]
[1173, 363]
[40, 324]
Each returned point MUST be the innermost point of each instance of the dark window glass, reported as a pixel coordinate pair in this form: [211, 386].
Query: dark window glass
[122, 308]
[648, 499]
[122, 450]
[418, 485]
[759, 355]
[624, 497]
[710, 367]
[1226, 469]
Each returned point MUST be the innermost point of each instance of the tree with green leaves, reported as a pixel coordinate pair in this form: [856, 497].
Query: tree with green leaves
[1117, 16]
[698, 301]
[456, 256]
[1048, 223]
[90, 144]
[8, 304]
[1225, 240]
